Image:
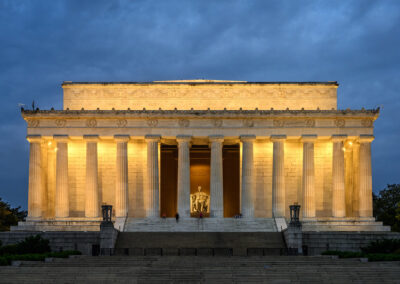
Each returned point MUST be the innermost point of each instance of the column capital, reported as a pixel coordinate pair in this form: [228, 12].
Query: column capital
[183, 138]
[247, 138]
[339, 138]
[309, 138]
[366, 138]
[278, 138]
[91, 137]
[152, 137]
[61, 137]
[36, 138]
[121, 138]
[216, 138]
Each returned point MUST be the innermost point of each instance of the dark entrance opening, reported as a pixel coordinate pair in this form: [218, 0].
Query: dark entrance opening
[200, 157]
[169, 180]
[231, 165]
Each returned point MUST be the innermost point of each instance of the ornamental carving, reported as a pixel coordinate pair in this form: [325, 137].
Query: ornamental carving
[91, 122]
[340, 122]
[366, 122]
[310, 122]
[248, 123]
[152, 122]
[217, 122]
[278, 123]
[121, 122]
[183, 123]
[60, 122]
[33, 122]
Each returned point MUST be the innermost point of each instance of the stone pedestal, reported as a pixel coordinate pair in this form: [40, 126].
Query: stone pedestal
[183, 175]
[121, 182]
[62, 192]
[308, 176]
[247, 176]
[216, 177]
[153, 181]
[278, 176]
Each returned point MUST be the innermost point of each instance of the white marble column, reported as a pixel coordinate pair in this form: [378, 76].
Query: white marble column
[247, 176]
[153, 181]
[92, 202]
[338, 174]
[183, 175]
[278, 175]
[216, 177]
[121, 181]
[62, 191]
[308, 176]
[35, 195]
[365, 176]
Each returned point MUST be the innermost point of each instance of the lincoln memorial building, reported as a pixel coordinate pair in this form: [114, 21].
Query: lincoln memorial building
[224, 155]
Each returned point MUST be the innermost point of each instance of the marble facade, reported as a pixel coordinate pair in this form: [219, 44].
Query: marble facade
[295, 146]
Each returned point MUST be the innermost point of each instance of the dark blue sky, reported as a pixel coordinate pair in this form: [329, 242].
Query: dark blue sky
[43, 43]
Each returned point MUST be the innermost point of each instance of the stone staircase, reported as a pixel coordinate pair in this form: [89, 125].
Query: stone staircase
[200, 225]
[191, 269]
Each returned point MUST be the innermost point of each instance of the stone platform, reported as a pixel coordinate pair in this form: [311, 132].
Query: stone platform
[330, 224]
[72, 224]
[201, 225]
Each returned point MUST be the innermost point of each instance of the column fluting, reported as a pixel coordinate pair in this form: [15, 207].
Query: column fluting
[183, 175]
[365, 176]
[338, 175]
[247, 176]
[278, 175]
[308, 176]
[153, 182]
[121, 182]
[35, 195]
[62, 189]
[216, 178]
[92, 201]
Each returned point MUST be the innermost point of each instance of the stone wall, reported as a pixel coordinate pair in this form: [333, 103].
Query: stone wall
[200, 96]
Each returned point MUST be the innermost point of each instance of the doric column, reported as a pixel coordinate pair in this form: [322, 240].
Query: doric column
[278, 175]
[153, 208]
[338, 191]
[247, 176]
[365, 176]
[308, 176]
[183, 175]
[35, 178]
[216, 178]
[121, 181]
[62, 192]
[92, 201]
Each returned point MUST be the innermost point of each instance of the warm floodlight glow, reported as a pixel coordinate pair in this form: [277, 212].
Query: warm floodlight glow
[49, 143]
[344, 149]
[55, 149]
[350, 143]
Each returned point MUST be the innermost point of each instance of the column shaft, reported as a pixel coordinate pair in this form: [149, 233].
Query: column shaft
[92, 190]
[308, 177]
[365, 182]
[35, 178]
[216, 178]
[62, 192]
[121, 182]
[183, 176]
[338, 191]
[247, 176]
[153, 208]
[278, 176]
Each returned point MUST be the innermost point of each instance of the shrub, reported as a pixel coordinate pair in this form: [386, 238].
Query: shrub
[33, 244]
[382, 246]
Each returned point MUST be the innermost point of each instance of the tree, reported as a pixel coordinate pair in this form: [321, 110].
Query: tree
[10, 216]
[387, 206]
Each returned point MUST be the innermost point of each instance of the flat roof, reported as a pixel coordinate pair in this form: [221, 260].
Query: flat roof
[201, 82]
